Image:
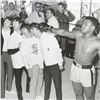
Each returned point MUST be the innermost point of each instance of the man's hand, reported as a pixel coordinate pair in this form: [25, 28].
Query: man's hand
[66, 12]
[61, 67]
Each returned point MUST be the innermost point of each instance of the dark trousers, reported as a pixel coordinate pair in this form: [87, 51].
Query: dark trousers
[6, 71]
[49, 73]
[28, 80]
[18, 78]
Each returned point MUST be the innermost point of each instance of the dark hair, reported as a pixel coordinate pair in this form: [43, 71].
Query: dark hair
[34, 25]
[16, 19]
[95, 22]
[27, 26]
[3, 20]
[62, 4]
[37, 3]
[11, 3]
[52, 11]
[43, 27]
[8, 18]
[23, 8]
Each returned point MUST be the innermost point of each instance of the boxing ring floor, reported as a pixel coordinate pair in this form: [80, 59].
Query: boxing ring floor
[67, 89]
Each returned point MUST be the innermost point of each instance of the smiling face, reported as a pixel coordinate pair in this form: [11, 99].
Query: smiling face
[7, 23]
[35, 32]
[15, 24]
[25, 32]
[48, 14]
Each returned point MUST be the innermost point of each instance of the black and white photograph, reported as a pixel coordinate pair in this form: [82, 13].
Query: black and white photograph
[50, 50]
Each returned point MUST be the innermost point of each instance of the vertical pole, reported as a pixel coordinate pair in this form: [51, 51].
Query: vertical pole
[90, 11]
[81, 4]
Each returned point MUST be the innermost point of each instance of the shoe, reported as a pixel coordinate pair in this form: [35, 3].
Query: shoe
[10, 92]
[39, 97]
[3, 99]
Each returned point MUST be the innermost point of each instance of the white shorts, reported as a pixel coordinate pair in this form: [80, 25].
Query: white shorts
[84, 76]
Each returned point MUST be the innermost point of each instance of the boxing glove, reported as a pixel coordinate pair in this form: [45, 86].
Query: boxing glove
[44, 27]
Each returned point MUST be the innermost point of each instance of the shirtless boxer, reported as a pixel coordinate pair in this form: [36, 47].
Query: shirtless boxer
[86, 49]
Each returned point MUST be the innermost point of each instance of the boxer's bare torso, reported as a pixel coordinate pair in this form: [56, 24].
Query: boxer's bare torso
[86, 49]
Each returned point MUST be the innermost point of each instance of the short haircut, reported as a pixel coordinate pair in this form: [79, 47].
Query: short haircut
[16, 19]
[3, 20]
[95, 22]
[11, 3]
[23, 8]
[8, 18]
[37, 3]
[52, 11]
[43, 27]
[34, 25]
[62, 4]
[27, 26]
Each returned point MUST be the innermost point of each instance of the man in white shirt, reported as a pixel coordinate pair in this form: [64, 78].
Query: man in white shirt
[30, 49]
[17, 59]
[50, 16]
[6, 64]
[36, 16]
[53, 60]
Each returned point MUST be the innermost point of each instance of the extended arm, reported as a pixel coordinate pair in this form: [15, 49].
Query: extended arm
[64, 33]
[13, 51]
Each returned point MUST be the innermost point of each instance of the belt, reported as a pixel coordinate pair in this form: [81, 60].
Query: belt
[4, 52]
[82, 66]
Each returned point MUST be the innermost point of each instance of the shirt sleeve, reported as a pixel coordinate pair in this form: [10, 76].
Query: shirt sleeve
[54, 23]
[71, 16]
[58, 52]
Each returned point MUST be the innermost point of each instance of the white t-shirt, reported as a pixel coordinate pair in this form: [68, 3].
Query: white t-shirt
[30, 49]
[14, 42]
[50, 49]
[53, 22]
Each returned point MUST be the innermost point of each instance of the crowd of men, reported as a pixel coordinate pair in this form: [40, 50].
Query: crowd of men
[38, 42]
